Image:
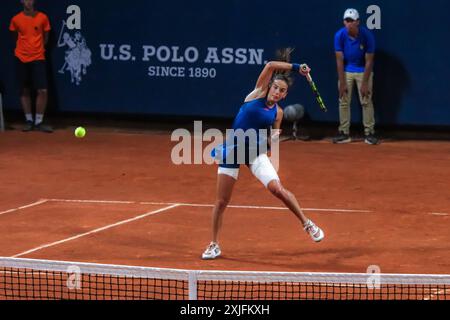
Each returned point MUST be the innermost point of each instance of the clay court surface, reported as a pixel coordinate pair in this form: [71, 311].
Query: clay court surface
[116, 198]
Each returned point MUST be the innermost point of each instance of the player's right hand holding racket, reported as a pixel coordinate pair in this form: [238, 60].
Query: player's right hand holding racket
[305, 71]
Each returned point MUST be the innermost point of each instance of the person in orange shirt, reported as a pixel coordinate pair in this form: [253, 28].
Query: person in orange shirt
[31, 29]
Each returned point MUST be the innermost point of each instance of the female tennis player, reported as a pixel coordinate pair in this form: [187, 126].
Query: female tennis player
[259, 111]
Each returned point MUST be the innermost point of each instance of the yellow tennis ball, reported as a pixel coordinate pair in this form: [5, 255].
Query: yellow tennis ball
[80, 132]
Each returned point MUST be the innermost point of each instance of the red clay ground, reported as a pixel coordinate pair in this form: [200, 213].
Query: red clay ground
[402, 183]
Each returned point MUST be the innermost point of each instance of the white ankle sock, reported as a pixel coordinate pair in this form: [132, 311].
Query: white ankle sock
[29, 117]
[39, 118]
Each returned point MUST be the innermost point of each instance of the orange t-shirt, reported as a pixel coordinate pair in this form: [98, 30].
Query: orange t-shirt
[30, 42]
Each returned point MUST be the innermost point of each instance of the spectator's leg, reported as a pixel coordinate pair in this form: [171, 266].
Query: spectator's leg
[367, 105]
[25, 100]
[344, 106]
[40, 80]
[41, 103]
[24, 77]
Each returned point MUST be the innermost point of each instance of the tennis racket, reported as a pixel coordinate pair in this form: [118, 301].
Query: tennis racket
[314, 88]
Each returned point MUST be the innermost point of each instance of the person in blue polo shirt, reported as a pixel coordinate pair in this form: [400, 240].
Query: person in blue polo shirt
[355, 53]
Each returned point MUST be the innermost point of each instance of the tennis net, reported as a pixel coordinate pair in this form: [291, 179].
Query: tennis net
[44, 279]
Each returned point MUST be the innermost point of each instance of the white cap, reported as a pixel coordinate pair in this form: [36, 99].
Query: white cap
[352, 14]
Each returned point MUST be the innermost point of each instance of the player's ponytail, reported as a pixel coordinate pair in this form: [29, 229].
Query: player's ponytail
[284, 54]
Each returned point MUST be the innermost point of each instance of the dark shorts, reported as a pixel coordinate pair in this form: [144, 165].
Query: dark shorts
[229, 158]
[32, 75]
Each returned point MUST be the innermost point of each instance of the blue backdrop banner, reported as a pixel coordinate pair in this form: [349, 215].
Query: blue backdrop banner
[201, 58]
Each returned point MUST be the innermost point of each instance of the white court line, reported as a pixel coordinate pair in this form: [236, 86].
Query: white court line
[439, 214]
[211, 205]
[94, 231]
[24, 207]
[305, 209]
[92, 201]
[273, 208]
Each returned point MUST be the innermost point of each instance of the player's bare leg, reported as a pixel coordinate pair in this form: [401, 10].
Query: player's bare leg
[225, 185]
[288, 199]
[291, 202]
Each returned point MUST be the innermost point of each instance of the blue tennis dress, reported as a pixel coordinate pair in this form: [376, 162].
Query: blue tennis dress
[252, 116]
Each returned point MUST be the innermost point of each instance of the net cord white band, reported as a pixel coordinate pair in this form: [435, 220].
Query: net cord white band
[208, 275]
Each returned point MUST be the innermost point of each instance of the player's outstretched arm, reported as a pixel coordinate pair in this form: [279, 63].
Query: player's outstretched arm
[262, 84]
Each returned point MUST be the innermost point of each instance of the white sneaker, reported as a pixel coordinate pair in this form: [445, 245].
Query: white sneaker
[211, 252]
[314, 231]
